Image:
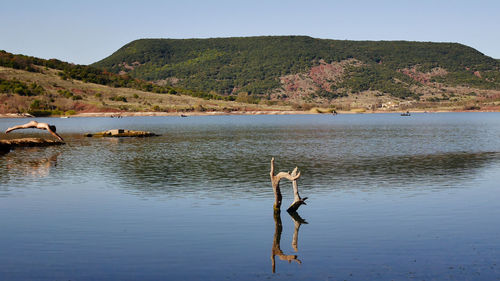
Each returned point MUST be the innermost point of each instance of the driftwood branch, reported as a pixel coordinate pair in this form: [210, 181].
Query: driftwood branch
[275, 182]
[297, 200]
[36, 125]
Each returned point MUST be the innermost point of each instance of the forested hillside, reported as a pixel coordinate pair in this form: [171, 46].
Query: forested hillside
[52, 87]
[262, 66]
[89, 74]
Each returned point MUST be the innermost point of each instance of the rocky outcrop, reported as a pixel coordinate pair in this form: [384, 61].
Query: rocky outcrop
[8, 145]
[423, 77]
[118, 133]
[319, 77]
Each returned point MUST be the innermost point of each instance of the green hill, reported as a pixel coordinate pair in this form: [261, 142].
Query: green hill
[264, 66]
[259, 73]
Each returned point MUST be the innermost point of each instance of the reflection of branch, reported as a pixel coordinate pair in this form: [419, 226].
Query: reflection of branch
[39, 167]
[276, 249]
[297, 222]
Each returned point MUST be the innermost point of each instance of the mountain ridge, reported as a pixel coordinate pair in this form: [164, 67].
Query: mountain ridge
[259, 65]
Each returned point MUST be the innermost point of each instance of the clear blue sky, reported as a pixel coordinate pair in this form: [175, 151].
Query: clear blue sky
[86, 31]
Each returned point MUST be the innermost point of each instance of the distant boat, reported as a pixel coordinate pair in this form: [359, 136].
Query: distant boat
[64, 116]
[182, 115]
[407, 113]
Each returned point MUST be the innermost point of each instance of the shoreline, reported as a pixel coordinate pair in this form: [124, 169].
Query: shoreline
[222, 113]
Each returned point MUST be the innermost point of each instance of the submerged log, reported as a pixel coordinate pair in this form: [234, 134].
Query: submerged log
[120, 133]
[275, 182]
[8, 145]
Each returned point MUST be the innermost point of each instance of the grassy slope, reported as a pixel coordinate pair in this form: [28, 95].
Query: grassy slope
[98, 98]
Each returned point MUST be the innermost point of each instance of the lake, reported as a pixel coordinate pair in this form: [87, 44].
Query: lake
[389, 198]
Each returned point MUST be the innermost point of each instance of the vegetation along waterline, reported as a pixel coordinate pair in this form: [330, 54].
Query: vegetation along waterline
[268, 73]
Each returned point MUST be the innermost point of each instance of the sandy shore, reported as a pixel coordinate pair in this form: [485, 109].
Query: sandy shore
[131, 114]
[211, 113]
[215, 113]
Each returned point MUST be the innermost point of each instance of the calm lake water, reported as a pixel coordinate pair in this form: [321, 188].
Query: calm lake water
[390, 198]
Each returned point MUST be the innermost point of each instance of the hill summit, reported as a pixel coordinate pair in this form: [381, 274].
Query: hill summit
[305, 69]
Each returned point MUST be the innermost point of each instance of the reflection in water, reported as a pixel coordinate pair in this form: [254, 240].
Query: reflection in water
[31, 167]
[182, 170]
[278, 228]
[443, 166]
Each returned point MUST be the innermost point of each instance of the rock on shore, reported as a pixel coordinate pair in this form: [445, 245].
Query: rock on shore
[117, 133]
[8, 145]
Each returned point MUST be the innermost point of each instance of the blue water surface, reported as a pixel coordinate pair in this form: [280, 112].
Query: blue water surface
[389, 198]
